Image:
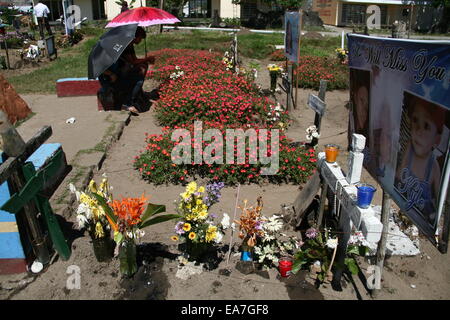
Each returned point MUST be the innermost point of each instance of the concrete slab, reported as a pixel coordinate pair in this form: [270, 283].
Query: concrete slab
[87, 131]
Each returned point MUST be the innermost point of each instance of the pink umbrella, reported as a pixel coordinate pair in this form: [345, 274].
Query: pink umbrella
[144, 16]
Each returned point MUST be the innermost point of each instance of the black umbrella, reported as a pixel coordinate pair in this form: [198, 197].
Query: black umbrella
[109, 48]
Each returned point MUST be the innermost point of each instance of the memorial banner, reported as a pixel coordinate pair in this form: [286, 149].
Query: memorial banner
[400, 101]
[292, 35]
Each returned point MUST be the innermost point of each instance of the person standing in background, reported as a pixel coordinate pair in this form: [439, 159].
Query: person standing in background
[41, 12]
[124, 7]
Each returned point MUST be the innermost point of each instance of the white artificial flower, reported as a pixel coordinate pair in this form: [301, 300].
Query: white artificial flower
[332, 243]
[140, 233]
[225, 221]
[81, 219]
[315, 135]
[219, 237]
[233, 226]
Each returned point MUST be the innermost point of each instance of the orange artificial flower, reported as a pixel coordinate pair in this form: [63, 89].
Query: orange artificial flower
[129, 210]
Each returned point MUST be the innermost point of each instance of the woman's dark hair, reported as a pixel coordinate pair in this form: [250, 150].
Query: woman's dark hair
[140, 32]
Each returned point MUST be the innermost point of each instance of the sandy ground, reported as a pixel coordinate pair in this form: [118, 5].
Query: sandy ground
[428, 272]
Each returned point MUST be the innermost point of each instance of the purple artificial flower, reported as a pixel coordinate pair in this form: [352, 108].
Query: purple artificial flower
[258, 225]
[311, 233]
[213, 193]
[179, 228]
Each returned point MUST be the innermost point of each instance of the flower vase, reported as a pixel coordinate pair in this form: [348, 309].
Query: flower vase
[127, 258]
[195, 250]
[103, 247]
[273, 80]
[246, 256]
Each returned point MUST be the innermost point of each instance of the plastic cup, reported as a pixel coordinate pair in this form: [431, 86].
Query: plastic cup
[246, 256]
[331, 152]
[365, 195]
[285, 267]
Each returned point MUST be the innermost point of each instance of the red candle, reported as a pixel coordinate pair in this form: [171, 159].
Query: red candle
[285, 267]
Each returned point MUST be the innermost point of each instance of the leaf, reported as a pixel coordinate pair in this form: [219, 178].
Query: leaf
[118, 237]
[297, 266]
[151, 210]
[108, 210]
[321, 277]
[352, 265]
[159, 219]
[353, 249]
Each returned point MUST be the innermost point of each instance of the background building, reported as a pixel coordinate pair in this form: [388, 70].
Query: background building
[353, 12]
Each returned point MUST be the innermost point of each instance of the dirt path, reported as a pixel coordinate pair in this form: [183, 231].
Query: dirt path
[428, 272]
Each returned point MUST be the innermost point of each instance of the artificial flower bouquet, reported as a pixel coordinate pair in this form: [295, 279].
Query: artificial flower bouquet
[91, 216]
[274, 70]
[342, 55]
[315, 255]
[274, 244]
[250, 228]
[196, 226]
[318, 252]
[127, 217]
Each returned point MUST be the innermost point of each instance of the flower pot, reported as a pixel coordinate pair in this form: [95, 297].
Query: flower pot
[246, 256]
[127, 258]
[196, 250]
[103, 248]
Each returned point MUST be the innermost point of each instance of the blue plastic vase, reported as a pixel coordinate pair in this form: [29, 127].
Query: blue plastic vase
[246, 256]
[365, 195]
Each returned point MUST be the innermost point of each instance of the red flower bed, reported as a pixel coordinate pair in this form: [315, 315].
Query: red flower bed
[312, 69]
[197, 86]
[206, 91]
[156, 165]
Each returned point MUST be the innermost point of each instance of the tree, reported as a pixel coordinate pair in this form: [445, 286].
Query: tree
[442, 25]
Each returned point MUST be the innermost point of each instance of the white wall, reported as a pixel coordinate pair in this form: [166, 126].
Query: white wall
[226, 9]
[112, 9]
[85, 7]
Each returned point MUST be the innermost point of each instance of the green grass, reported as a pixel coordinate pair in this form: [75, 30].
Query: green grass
[72, 62]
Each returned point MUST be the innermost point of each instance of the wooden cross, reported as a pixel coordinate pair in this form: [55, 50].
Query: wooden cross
[317, 103]
[28, 184]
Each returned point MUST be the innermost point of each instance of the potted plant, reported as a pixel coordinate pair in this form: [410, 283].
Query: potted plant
[127, 218]
[90, 215]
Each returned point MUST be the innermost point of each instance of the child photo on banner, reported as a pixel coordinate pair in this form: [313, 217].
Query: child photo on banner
[424, 137]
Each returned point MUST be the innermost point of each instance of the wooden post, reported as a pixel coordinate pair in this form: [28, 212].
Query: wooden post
[344, 235]
[323, 198]
[161, 6]
[381, 249]
[318, 117]
[7, 55]
[289, 92]
[298, 54]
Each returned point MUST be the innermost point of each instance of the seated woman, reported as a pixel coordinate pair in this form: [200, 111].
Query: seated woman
[127, 75]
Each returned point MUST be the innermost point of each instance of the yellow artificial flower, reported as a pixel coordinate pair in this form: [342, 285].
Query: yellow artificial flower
[192, 235]
[104, 185]
[174, 238]
[201, 189]
[185, 195]
[211, 233]
[187, 227]
[198, 202]
[191, 187]
[99, 233]
[93, 186]
[203, 214]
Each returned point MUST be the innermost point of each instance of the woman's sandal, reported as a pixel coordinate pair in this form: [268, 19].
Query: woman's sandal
[132, 110]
